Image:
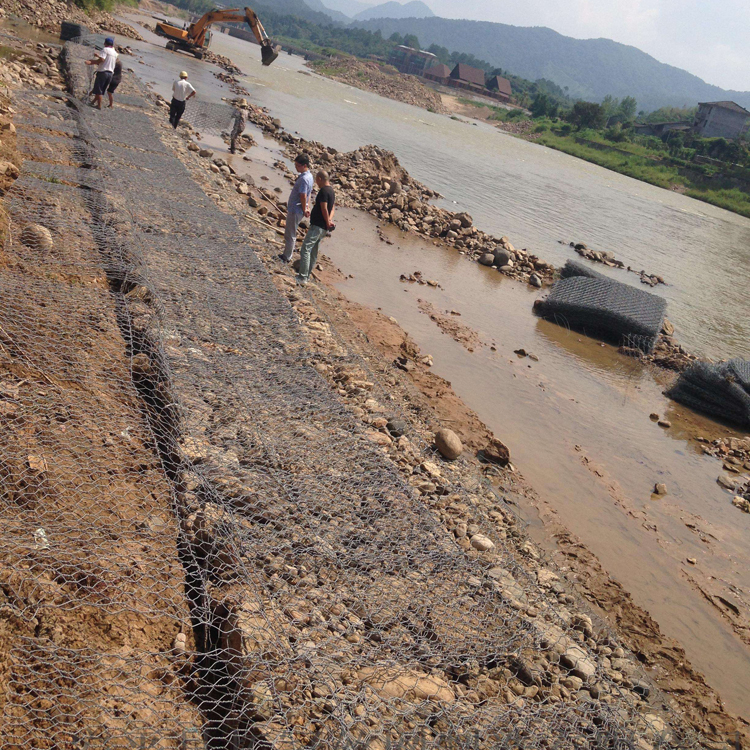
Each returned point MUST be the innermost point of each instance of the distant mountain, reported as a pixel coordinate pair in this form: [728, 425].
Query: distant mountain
[414, 9]
[589, 68]
[349, 8]
[298, 8]
[336, 15]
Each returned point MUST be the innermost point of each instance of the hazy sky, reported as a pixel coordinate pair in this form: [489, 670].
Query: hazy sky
[706, 37]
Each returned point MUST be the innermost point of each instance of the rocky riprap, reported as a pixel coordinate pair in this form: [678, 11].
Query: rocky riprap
[607, 258]
[383, 80]
[49, 14]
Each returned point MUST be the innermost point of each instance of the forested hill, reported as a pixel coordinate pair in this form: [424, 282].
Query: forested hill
[590, 68]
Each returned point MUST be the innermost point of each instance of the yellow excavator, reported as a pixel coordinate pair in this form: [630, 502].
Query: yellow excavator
[195, 38]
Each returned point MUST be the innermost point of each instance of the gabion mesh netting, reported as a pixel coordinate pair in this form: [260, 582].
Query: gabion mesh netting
[722, 390]
[600, 306]
[202, 546]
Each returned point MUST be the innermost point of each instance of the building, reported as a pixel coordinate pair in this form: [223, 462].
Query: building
[412, 61]
[438, 73]
[721, 120]
[465, 77]
[660, 128]
[501, 88]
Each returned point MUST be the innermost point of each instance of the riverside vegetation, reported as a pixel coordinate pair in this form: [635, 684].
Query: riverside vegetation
[667, 162]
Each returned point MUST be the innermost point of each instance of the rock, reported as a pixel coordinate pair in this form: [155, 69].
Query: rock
[578, 662]
[482, 543]
[243, 188]
[8, 127]
[37, 237]
[465, 219]
[496, 452]
[665, 423]
[486, 259]
[396, 215]
[667, 328]
[205, 153]
[660, 489]
[654, 417]
[397, 427]
[8, 169]
[692, 561]
[194, 147]
[727, 483]
[36, 464]
[253, 202]
[535, 281]
[407, 684]
[378, 437]
[502, 257]
[449, 444]
[742, 503]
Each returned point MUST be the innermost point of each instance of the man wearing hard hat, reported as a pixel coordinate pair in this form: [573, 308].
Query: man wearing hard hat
[182, 91]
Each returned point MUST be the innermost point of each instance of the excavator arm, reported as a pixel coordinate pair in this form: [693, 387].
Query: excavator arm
[197, 31]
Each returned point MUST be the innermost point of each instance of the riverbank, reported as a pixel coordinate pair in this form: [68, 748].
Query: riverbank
[224, 186]
[381, 79]
[386, 351]
[630, 159]
[337, 562]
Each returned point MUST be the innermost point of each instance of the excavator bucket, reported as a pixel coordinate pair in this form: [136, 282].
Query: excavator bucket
[268, 54]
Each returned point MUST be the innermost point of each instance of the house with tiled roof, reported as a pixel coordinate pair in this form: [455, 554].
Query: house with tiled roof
[721, 120]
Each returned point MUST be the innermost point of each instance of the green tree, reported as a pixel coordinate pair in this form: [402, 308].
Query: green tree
[544, 105]
[610, 106]
[410, 40]
[627, 109]
[587, 115]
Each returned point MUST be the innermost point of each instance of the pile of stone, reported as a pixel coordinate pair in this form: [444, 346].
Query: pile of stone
[371, 179]
[49, 14]
[733, 452]
[667, 354]
[607, 257]
[383, 80]
[35, 67]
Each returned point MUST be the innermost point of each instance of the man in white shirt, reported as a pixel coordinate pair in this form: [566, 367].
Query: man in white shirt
[182, 91]
[105, 61]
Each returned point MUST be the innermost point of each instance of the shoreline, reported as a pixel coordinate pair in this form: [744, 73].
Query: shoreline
[437, 391]
[567, 145]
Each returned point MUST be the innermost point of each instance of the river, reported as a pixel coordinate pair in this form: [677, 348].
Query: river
[577, 421]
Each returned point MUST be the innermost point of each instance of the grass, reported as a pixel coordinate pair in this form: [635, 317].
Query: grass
[108, 5]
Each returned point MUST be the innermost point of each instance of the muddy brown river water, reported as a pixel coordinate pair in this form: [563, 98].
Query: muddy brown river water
[577, 420]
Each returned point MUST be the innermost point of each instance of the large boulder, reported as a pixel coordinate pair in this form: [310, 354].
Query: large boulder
[496, 452]
[449, 444]
[406, 684]
[502, 257]
[37, 237]
[487, 259]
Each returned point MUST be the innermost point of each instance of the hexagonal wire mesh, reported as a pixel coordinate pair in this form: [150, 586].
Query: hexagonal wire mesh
[202, 547]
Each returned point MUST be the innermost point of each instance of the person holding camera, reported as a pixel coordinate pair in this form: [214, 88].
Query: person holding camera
[321, 223]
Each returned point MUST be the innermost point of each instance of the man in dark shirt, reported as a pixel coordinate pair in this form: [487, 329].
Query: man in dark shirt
[321, 222]
[114, 83]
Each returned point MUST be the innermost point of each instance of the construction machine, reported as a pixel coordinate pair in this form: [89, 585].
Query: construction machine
[195, 38]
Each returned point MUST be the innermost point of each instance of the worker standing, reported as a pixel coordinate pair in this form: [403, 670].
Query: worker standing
[182, 92]
[105, 60]
[321, 223]
[298, 206]
[238, 129]
[114, 83]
